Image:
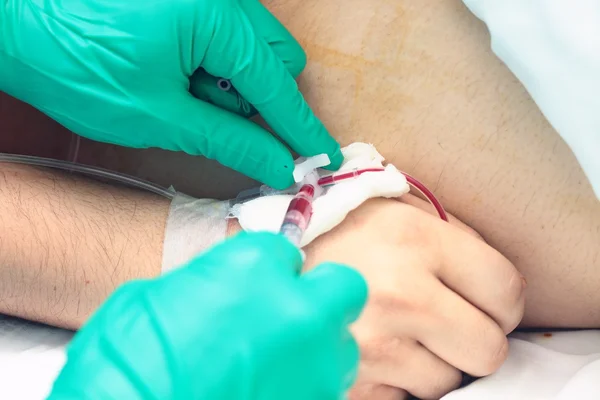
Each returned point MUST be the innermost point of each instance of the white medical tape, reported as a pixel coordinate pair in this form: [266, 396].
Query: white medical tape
[193, 226]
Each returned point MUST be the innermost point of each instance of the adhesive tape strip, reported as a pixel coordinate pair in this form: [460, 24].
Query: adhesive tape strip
[310, 164]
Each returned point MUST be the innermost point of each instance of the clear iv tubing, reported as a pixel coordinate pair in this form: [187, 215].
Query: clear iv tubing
[87, 170]
[153, 188]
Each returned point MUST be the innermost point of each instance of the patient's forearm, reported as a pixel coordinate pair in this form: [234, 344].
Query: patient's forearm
[67, 242]
[419, 80]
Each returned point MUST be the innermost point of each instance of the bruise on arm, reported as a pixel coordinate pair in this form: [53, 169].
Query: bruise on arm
[66, 243]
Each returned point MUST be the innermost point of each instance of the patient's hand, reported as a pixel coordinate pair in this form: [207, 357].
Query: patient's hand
[441, 301]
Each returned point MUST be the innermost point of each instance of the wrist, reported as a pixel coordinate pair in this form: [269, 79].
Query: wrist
[68, 242]
[193, 226]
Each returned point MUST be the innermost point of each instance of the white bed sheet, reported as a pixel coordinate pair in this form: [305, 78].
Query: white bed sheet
[540, 366]
[31, 355]
[543, 366]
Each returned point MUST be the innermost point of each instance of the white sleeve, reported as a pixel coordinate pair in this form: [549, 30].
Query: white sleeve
[553, 48]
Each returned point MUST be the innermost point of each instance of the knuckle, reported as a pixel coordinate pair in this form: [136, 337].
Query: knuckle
[378, 349]
[357, 220]
[373, 349]
[400, 301]
[373, 213]
[384, 350]
[515, 287]
[515, 302]
[385, 304]
[494, 357]
[439, 385]
[376, 392]
[416, 219]
[472, 232]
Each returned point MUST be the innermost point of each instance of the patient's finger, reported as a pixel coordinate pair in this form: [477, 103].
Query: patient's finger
[480, 274]
[406, 364]
[459, 333]
[363, 391]
[477, 271]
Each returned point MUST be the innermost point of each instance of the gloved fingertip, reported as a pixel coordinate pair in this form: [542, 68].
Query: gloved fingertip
[279, 181]
[339, 287]
[281, 173]
[252, 249]
[297, 62]
[336, 159]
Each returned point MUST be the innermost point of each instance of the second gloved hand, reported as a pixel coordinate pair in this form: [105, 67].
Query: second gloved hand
[236, 323]
[119, 72]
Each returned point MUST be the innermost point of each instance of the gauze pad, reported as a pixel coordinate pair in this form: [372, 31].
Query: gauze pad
[330, 209]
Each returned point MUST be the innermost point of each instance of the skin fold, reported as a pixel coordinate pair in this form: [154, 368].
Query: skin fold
[419, 81]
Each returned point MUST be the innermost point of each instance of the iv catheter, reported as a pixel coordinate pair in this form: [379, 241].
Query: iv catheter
[331, 180]
[241, 198]
[299, 211]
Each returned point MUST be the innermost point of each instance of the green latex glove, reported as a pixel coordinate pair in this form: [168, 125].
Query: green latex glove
[119, 71]
[237, 323]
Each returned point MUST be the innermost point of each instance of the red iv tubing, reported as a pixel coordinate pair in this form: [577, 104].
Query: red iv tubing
[299, 211]
[333, 179]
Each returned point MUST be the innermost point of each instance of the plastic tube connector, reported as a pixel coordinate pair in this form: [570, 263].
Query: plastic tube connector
[309, 165]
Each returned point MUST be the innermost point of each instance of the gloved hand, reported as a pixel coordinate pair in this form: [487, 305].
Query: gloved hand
[236, 323]
[119, 72]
